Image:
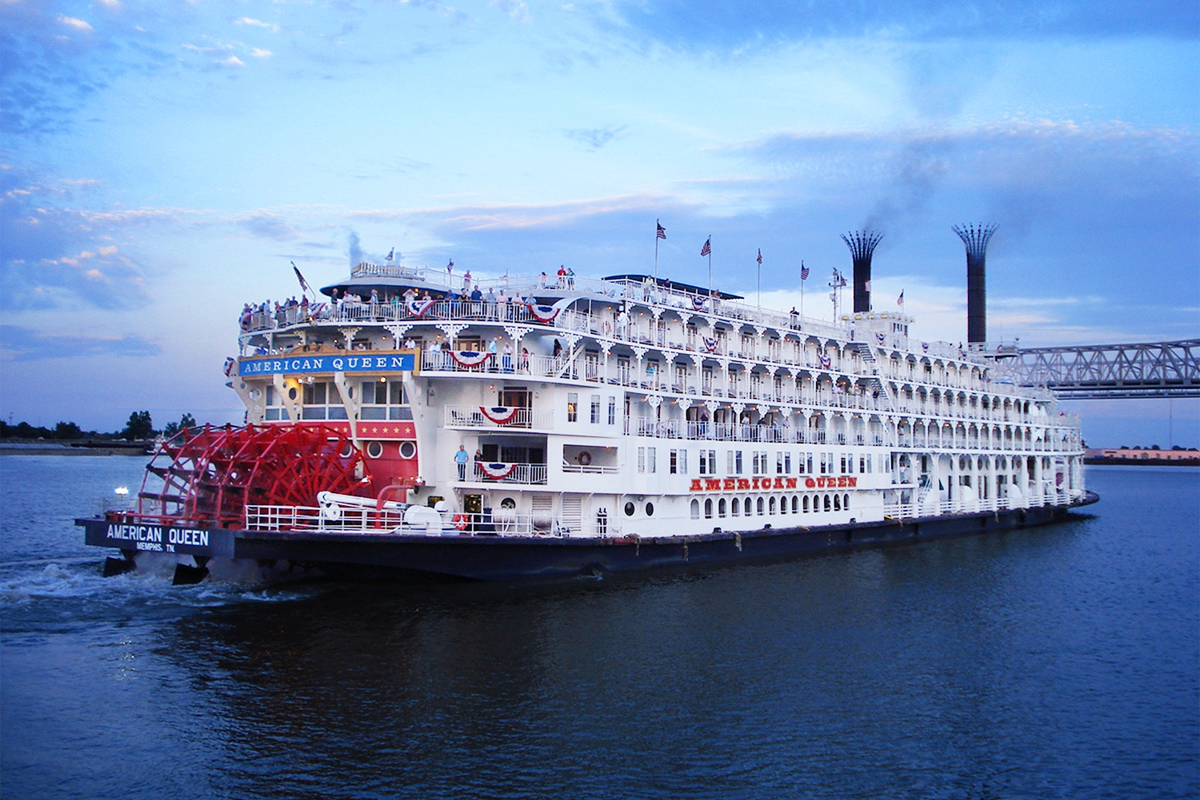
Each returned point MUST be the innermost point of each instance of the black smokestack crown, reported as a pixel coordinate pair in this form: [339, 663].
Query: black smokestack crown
[862, 246]
[976, 237]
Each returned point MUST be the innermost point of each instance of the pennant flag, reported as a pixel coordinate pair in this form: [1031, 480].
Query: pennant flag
[501, 415]
[760, 256]
[496, 470]
[707, 249]
[303, 283]
[803, 272]
[662, 232]
[391, 254]
[469, 358]
[900, 299]
[418, 307]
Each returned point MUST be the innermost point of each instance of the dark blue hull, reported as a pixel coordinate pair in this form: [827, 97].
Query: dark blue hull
[499, 558]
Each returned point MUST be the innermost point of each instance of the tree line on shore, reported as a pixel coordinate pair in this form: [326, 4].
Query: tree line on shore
[140, 427]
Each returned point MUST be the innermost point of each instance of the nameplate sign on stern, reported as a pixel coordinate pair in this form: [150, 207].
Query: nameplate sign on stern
[159, 538]
[403, 361]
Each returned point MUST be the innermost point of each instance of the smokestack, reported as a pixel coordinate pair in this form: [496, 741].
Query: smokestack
[862, 245]
[976, 237]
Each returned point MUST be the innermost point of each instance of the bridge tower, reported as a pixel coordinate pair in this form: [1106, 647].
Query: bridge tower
[976, 237]
[862, 246]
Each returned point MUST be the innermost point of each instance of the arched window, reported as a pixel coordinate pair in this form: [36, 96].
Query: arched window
[837, 503]
[721, 507]
[828, 504]
[845, 502]
[708, 509]
[760, 506]
[772, 506]
[735, 506]
[746, 507]
[796, 504]
[695, 509]
[805, 504]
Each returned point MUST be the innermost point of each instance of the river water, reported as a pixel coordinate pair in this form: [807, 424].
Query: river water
[1061, 662]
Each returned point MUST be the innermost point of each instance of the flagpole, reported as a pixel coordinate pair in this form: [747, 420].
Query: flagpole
[709, 240]
[657, 225]
[760, 285]
[801, 288]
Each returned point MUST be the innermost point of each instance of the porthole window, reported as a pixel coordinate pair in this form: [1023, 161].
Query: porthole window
[408, 450]
[374, 449]
[629, 509]
[347, 450]
[649, 509]
[292, 393]
[508, 502]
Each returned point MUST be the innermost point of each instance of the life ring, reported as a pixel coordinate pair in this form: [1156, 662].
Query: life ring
[584, 458]
[460, 521]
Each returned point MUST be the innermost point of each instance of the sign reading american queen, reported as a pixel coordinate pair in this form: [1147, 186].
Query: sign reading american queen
[742, 484]
[399, 361]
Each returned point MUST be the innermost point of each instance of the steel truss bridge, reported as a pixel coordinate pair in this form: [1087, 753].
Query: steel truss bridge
[1158, 369]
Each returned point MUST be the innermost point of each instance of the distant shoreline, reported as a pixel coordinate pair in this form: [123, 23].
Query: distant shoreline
[81, 449]
[1142, 462]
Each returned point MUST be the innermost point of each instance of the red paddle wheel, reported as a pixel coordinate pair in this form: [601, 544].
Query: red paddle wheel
[209, 476]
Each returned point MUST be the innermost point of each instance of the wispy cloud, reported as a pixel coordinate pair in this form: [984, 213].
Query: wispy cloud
[23, 344]
[594, 138]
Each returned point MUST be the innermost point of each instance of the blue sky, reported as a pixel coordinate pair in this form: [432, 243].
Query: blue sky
[161, 163]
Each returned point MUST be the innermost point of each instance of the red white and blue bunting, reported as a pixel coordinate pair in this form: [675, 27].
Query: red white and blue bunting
[548, 313]
[698, 303]
[710, 344]
[417, 308]
[495, 470]
[469, 358]
[826, 362]
[881, 338]
[500, 415]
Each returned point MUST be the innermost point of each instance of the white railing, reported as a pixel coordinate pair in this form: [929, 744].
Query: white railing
[591, 469]
[520, 473]
[968, 506]
[473, 417]
[367, 521]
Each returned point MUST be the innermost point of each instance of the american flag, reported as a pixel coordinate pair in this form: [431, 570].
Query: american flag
[900, 299]
[303, 283]
[662, 232]
[450, 266]
[391, 254]
[760, 256]
[803, 272]
[707, 249]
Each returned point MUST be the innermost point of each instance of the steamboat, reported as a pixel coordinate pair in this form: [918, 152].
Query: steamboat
[415, 424]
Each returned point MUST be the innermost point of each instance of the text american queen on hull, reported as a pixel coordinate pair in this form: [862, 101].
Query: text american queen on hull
[744, 484]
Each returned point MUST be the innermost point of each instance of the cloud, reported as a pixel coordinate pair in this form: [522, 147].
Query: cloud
[269, 226]
[747, 26]
[271, 26]
[56, 256]
[594, 138]
[76, 23]
[23, 344]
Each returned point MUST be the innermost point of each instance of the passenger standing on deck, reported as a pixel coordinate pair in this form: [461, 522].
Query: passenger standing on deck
[461, 458]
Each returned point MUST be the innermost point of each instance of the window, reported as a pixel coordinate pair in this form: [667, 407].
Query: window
[595, 409]
[734, 465]
[862, 464]
[683, 462]
[824, 466]
[843, 472]
[322, 401]
[651, 452]
[809, 461]
[572, 406]
[783, 463]
[695, 509]
[641, 459]
[760, 506]
[678, 462]
[612, 411]
[735, 506]
[805, 504]
[381, 400]
[273, 402]
[760, 462]
[795, 503]
[746, 507]
[721, 507]
[708, 462]
[772, 506]
[708, 509]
